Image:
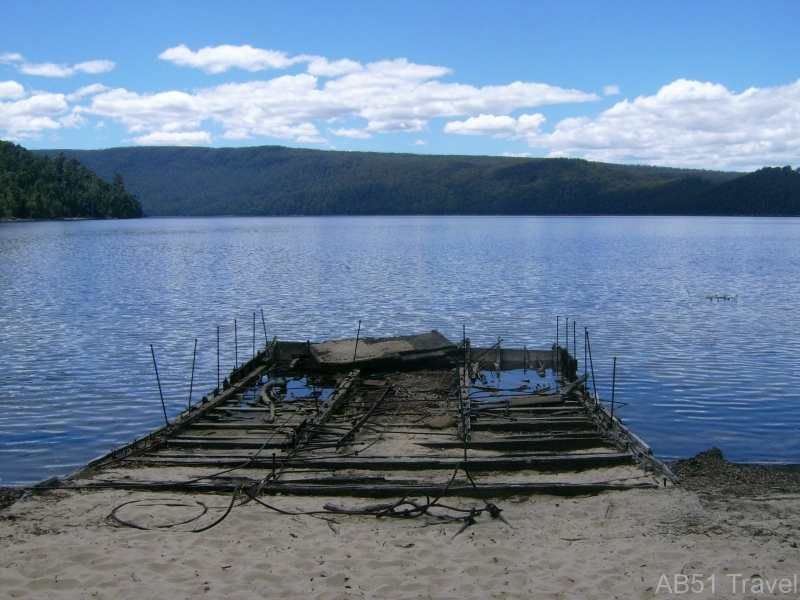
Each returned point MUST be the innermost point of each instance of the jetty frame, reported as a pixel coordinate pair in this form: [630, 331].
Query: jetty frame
[388, 417]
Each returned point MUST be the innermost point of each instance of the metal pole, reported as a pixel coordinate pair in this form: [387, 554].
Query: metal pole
[160, 393]
[566, 333]
[191, 381]
[613, 385]
[254, 335]
[591, 366]
[357, 334]
[217, 357]
[574, 343]
[264, 323]
[236, 345]
[558, 324]
[585, 340]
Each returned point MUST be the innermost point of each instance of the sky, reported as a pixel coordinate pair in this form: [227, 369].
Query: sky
[709, 84]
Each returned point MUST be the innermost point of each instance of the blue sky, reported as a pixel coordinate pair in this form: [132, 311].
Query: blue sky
[710, 84]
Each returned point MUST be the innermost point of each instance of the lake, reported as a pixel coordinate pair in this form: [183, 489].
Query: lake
[81, 302]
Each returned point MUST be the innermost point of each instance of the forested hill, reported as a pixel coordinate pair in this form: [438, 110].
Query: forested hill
[274, 180]
[33, 186]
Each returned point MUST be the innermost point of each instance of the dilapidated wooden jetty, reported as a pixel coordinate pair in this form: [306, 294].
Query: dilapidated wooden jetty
[394, 417]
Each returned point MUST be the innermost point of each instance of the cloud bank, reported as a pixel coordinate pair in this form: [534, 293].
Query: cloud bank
[685, 123]
[389, 96]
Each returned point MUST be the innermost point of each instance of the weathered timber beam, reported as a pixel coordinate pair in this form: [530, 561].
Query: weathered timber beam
[543, 463]
[567, 424]
[487, 490]
[560, 444]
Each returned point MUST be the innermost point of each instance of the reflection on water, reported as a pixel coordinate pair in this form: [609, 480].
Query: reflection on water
[80, 303]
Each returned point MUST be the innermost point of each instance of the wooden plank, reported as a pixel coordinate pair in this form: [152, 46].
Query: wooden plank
[530, 444]
[225, 444]
[538, 462]
[487, 489]
[566, 424]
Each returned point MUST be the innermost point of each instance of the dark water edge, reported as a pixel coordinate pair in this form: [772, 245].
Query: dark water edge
[82, 301]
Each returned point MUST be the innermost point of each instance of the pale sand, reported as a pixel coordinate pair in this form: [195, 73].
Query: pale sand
[614, 545]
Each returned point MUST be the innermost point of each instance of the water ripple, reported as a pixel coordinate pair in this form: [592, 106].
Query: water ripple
[82, 302]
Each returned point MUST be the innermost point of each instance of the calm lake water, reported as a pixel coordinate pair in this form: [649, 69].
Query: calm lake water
[81, 302]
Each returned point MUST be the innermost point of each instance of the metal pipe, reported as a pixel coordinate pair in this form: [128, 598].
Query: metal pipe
[558, 324]
[160, 393]
[264, 323]
[591, 365]
[355, 350]
[585, 365]
[191, 381]
[613, 385]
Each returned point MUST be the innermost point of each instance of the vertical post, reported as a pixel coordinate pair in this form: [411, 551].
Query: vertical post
[264, 323]
[591, 366]
[254, 335]
[574, 344]
[191, 381]
[613, 385]
[160, 393]
[464, 344]
[566, 333]
[585, 340]
[558, 324]
[236, 346]
[358, 333]
[217, 357]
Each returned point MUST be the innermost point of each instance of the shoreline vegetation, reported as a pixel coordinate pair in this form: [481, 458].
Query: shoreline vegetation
[34, 187]
[281, 181]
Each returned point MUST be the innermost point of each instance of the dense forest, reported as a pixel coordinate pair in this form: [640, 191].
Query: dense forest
[274, 180]
[33, 186]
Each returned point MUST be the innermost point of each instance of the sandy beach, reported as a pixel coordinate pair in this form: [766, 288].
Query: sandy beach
[632, 544]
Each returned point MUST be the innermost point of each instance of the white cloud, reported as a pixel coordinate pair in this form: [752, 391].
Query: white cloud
[420, 143]
[611, 90]
[73, 120]
[391, 96]
[516, 154]
[498, 126]
[184, 138]
[218, 59]
[11, 89]
[321, 67]
[688, 123]
[49, 69]
[10, 57]
[28, 117]
[87, 90]
[95, 67]
[351, 133]
[46, 70]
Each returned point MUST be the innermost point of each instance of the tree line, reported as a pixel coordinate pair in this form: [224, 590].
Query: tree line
[35, 186]
[275, 180]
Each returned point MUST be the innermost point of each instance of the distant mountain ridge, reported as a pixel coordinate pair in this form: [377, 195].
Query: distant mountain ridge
[275, 180]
